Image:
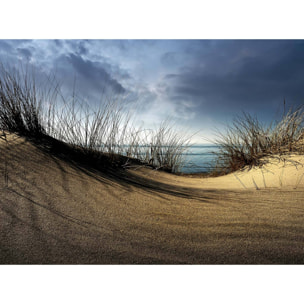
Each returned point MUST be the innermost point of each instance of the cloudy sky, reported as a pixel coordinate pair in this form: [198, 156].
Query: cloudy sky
[201, 84]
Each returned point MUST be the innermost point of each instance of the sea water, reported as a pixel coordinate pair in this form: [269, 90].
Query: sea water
[196, 158]
[199, 158]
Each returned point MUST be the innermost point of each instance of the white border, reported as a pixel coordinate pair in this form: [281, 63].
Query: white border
[160, 19]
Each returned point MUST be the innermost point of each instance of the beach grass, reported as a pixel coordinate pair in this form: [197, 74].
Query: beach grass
[247, 142]
[106, 131]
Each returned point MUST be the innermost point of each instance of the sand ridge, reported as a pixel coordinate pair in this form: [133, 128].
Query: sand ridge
[58, 212]
[286, 171]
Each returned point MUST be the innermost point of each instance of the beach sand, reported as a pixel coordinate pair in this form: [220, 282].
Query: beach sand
[58, 212]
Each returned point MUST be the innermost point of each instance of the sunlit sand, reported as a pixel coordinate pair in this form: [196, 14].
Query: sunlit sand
[57, 212]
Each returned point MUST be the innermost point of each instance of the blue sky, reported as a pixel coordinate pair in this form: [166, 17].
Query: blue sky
[201, 84]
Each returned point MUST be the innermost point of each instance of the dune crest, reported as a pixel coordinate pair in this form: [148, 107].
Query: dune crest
[54, 211]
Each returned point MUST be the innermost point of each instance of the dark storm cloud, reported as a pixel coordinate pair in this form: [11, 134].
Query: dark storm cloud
[233, 75]
[82, 61]
[92, 75]
[58, 42]
[13, 51]
[26, 53]
[82, 49]
[79, 47]
[188, 79]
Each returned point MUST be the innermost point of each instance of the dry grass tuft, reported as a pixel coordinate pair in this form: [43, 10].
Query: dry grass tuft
[105, 131]
[249, 143]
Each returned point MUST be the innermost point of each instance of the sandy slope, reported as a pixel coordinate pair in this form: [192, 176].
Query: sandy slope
[53, 211]
[281, 172]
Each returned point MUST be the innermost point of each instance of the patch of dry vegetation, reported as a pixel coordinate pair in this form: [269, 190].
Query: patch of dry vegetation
[248, 143]
[41, 112]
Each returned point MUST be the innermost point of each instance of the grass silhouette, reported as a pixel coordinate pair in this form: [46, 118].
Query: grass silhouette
[249, 143]
[105, 132]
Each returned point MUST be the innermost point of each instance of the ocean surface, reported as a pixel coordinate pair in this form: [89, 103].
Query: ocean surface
[199, 159]
[196, 159]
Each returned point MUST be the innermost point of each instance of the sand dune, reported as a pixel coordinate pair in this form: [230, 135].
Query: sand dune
[285, 171]
[60, 212]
